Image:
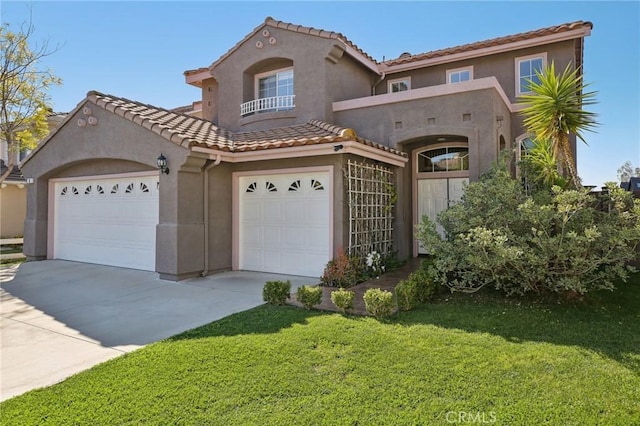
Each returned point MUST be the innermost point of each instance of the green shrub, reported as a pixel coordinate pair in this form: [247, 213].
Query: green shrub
[343, 299]
[343, 271]
[378, 303]
[426, 287]
[418, 288]
[406, 294]
[551, 241]
[276, 292]
[309, 295]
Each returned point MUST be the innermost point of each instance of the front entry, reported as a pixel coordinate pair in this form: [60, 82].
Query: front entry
[436, 195]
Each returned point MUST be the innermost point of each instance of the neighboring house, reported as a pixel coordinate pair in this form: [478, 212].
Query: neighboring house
[13, 192]
[303, 145]
[194, 110]
[632, 185]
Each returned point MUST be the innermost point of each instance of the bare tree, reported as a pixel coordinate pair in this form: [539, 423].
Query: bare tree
[24, 101]
[627, 171]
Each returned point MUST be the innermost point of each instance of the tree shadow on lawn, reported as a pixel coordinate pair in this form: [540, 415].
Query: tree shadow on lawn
[264, 319]
[605, 322]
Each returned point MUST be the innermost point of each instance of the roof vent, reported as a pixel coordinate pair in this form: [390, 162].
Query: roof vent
[405, 55]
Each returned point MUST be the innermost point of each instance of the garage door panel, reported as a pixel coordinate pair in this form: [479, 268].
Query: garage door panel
[272, 237]
[98, 221]
[252, 235]
[272, 212]
[294, 210]
[315, 214]
[272, 259]
[252, 210]
[253, 259]
[294, 238]
[293, 221]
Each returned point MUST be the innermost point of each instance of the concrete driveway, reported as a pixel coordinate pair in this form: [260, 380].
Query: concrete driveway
[58, 318]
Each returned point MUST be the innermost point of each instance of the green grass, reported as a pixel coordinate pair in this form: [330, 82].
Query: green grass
[518, 362]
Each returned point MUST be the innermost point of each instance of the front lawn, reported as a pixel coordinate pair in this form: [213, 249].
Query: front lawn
[459, 360]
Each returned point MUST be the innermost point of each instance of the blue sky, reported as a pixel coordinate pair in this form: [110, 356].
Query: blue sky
[139, 50]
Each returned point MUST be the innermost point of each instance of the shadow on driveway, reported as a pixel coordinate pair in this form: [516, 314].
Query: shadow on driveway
[58, 318]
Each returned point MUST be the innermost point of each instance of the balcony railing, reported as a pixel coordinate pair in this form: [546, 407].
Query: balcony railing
[275, 103]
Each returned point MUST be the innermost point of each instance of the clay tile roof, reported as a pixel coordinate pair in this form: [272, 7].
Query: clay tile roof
[319, 33]
[179, 128]
[491, 43]
[190, 131]
[269, 21]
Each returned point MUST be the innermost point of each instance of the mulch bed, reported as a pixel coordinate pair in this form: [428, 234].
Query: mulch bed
[386, 281]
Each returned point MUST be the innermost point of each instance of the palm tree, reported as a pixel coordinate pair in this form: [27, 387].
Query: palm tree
[553, 110]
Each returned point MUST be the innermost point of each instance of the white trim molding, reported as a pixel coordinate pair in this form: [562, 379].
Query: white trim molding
[406, 80]
[348, 147]
[425, 92]
[517, 61]
[459, 70]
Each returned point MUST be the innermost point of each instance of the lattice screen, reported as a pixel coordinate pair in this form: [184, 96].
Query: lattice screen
[371, 194]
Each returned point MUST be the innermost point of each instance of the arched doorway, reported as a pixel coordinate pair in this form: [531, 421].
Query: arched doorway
[441, 171]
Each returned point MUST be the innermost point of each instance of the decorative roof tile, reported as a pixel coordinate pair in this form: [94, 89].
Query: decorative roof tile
[187, 131]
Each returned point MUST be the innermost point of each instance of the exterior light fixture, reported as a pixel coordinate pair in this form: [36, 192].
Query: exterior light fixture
[337, 148]
[162, 164]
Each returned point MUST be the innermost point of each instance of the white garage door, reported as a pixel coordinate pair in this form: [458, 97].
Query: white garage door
[284, 223]
[107, 220]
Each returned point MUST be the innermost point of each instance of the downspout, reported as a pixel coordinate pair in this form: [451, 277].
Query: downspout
[382, 77]
[499, 119]
[205, 199]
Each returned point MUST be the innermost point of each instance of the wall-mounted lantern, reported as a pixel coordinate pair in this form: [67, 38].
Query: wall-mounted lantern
[162, 164]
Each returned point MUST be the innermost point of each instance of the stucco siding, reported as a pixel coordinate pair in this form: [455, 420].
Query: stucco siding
[221, 201]
[501, 66]
[317, 80]
[13, 209]
[115, 146]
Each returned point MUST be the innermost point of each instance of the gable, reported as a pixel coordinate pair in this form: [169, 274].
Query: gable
[273, 32]
[96, 136]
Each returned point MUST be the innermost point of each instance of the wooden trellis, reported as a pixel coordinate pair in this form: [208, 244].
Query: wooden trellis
[371, 195]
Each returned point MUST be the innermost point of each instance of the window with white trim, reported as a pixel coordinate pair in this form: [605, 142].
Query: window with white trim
[276, 85]
[526, 68]
[459, 74]
[399, 85]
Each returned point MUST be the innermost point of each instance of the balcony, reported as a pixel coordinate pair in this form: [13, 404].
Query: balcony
[275, 103]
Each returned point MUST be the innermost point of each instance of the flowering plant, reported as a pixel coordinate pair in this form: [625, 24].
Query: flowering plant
[374, 263]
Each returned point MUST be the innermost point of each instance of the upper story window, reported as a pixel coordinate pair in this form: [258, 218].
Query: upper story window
[278, 83]
[274, 91]
[445, 159]
[399, 85]
[459, 74]
[526, 68]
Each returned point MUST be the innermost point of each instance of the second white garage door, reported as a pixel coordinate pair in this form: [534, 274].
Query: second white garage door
[109, 220]
[284, 223]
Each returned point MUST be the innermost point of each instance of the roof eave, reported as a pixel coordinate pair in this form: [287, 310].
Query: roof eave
[348, 147]
[475, 53]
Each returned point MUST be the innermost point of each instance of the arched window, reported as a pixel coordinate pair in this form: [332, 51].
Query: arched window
[523, 144]
[444, 159]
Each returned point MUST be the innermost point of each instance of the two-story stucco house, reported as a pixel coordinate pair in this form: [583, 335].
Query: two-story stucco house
[303, 144]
